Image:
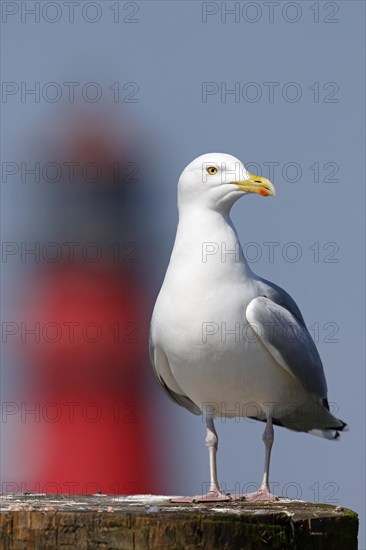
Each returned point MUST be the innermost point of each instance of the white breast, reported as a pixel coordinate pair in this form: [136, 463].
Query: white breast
[199, 324]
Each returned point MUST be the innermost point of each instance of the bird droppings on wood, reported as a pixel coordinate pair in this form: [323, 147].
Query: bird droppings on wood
[150, 522]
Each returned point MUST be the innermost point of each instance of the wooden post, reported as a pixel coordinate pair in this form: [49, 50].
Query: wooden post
[145, 522]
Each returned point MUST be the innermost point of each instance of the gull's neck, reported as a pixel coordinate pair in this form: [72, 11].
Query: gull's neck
[209, 237]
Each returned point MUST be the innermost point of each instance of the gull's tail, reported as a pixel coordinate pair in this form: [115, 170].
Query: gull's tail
[325, 424]
[335, 424]
[331, 433]
[314, 418]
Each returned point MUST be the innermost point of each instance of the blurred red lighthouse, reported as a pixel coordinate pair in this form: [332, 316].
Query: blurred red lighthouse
[86, 361]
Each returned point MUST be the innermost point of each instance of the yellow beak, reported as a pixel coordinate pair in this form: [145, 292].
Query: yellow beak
[257, 184]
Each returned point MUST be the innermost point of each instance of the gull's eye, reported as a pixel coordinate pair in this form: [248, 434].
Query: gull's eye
[212, 170]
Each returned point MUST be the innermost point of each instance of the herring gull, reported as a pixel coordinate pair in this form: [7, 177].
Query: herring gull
[225, 342]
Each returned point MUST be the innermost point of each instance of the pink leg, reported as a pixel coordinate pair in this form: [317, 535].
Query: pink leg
[263, 492]
[213, 494]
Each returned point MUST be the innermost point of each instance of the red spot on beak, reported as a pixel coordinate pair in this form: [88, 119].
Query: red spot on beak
[263, 192]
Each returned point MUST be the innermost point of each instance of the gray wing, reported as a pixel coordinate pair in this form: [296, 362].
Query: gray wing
[286, 337]
[166, 380]
[279, 296]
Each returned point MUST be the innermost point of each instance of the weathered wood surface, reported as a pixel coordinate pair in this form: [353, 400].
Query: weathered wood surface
[145, 522]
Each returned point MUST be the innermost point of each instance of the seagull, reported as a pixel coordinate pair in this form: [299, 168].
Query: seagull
[225, 342]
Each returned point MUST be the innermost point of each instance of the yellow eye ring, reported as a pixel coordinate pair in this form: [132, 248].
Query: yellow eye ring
[212, 170]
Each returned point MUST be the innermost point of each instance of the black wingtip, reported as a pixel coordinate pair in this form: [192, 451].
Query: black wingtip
[337, 431]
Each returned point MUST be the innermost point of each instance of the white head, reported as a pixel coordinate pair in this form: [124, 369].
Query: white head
[217, 180]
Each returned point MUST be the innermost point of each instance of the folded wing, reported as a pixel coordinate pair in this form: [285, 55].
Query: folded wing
[289, 342]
